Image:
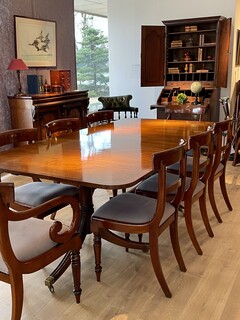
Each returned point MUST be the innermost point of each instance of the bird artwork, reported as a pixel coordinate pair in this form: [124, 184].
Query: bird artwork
[41, 42]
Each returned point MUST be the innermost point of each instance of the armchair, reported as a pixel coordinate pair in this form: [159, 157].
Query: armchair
[119, 104]
[28, 244]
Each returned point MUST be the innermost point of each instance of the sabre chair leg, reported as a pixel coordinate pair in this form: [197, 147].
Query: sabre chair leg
[17, 296]
[212, 200]
[176, 246]
[203, 209]
[224, 192]
[189, 225]
[155, 258]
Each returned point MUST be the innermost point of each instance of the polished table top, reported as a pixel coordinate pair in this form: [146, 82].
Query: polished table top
[111, 156]
[115, 155]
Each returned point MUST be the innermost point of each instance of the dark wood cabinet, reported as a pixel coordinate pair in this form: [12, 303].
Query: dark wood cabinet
[62, 78]
[34, 111]
[184, 51]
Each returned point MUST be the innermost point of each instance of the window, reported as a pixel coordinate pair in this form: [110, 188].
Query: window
[92, 56]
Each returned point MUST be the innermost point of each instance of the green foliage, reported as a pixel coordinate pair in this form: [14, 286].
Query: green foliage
[182, 98]
[92, 60]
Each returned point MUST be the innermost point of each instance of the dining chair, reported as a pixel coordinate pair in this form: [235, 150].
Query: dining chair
[28, 244]
[195, 184]
[222, 139]
[236, 146]
[99, 118]
[136, 214]
[222, 150]
[34, 193]
[59, 127]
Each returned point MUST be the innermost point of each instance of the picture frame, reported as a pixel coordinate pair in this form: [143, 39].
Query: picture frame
[35, 41]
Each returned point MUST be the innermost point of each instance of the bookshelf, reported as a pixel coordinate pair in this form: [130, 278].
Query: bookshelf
[186, 50]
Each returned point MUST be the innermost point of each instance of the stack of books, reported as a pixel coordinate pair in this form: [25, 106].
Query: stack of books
[202, 71]
[209, 44]
[190, 28]
[176, 43]
[173, 70]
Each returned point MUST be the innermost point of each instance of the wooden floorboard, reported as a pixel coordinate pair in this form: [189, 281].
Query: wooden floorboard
[128, 290]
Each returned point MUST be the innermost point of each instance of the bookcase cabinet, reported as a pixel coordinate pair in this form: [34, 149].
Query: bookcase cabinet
[183, 51]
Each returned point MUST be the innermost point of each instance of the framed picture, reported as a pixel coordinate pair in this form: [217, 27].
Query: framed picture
[238, 49]
[35, 41]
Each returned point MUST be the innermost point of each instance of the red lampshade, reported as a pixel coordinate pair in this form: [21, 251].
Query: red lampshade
[17, 64]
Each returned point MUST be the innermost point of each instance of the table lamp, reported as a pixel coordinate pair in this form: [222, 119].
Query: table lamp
[17, 65]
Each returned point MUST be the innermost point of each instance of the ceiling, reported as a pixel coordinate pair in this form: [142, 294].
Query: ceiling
[94, 7]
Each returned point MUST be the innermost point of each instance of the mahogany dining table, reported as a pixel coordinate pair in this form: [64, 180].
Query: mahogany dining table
[117, 155]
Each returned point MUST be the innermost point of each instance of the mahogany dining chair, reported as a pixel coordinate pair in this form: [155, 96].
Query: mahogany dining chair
[28, 244]
[59, 127]
[195, 185]
[99, 117]
[136, 214]
[222, 150]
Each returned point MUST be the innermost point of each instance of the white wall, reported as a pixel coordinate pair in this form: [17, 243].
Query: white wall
[125, 19]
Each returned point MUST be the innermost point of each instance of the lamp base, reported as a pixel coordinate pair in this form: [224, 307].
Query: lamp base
[196, 100]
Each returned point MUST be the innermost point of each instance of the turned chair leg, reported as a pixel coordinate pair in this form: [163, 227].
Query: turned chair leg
[76, 271]
[97, 252]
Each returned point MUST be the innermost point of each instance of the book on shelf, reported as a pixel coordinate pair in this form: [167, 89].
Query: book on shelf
[202, 71]
[176, 43]
[201, 39]
[209, 44]
[190, 28]
[173, 70]
[200, 51]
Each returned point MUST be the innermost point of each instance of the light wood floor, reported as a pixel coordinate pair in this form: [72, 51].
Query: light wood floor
[128, 290]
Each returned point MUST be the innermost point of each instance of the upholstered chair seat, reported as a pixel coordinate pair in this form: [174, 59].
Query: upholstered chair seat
[35, 193]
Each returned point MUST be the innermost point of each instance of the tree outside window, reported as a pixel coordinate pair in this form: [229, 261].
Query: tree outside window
[91, 58]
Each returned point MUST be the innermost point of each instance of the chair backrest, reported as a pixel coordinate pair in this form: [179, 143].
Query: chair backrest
[161, 160]
[223, 142]
[60, 127]
[99, 117]
[16, 137]
[201, 165]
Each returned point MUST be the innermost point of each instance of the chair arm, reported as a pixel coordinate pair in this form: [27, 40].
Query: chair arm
[56, 232]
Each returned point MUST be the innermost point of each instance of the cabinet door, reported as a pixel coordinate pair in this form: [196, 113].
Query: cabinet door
[223, 42]
[152, 56]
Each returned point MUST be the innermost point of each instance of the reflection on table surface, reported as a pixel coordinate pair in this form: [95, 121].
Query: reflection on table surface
[118, 154]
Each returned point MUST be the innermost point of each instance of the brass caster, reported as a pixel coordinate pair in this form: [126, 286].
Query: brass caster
[49, 283]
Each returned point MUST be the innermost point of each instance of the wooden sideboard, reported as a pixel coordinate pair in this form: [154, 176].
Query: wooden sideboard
[34, 111]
